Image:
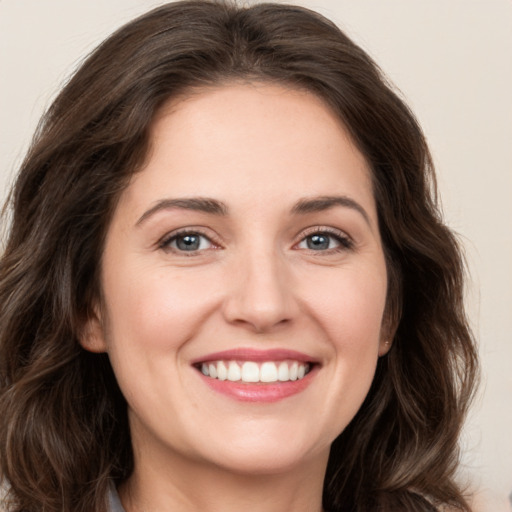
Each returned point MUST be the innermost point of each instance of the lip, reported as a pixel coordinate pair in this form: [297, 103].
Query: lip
[258, 392]
[250, 354]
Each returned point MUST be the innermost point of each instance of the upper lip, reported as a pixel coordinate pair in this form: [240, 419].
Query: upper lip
[250, 354]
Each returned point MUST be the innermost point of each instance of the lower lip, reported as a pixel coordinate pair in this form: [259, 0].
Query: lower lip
[260, 392]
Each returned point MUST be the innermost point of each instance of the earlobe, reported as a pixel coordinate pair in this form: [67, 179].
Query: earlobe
[92, 336]
[384, 346]
[388, 329]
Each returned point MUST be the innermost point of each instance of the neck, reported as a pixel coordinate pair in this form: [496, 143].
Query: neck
[186, 486]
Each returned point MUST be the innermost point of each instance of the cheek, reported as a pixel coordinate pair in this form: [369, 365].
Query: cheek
[157, 310]
[350, 307]
[151, 318]
[350, 311]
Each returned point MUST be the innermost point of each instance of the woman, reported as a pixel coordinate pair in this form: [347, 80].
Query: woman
[226, 283]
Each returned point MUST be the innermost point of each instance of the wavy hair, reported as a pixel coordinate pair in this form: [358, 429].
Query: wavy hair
[64, 434]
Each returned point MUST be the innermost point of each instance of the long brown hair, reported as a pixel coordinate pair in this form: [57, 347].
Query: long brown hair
[64, 433]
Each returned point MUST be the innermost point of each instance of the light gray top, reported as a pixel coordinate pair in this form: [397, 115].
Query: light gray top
[113, 501]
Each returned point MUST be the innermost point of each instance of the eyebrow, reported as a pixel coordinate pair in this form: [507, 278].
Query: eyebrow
[322, 203]
[198, 204]
[215, 207]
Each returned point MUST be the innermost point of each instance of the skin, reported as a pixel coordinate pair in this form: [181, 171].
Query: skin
[254, 282]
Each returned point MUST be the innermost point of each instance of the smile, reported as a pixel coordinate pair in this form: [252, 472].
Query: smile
[256, 372]
[250, 375]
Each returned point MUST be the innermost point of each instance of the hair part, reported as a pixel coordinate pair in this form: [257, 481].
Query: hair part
[64, 433]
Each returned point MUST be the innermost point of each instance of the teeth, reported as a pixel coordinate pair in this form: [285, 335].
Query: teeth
[212, 370]
[234, 372]
[293, 371]
[283, 373]
[252, 372]
[222, 371]
[268, 372]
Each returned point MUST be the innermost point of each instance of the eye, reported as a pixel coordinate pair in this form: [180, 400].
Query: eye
[325, 241]
[187, 241]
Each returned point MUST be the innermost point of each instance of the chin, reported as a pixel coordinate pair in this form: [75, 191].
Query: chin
[266, 455]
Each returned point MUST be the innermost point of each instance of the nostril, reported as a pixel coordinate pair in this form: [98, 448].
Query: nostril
[261, 297]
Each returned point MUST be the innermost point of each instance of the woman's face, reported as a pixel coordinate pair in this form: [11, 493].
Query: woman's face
[244, 282]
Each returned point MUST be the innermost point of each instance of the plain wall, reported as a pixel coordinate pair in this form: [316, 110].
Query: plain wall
[452, 60]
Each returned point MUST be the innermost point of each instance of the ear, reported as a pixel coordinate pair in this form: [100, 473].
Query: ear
[387, 333]
[92, 333]
[390, 321]
[384, 345]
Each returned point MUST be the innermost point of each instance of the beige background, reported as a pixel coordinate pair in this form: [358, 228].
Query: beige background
[452, 60]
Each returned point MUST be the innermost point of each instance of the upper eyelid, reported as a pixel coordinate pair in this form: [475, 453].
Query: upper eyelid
[197, 230]
[215, 239]
[323, 229]
[346, 241]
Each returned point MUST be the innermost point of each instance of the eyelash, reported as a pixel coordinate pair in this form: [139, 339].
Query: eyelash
[345, 242]
[165, 242]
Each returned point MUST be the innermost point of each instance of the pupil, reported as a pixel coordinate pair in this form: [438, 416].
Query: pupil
[188, 242]
[317, 242]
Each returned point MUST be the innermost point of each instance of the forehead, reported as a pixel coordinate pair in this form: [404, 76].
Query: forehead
[251, 141]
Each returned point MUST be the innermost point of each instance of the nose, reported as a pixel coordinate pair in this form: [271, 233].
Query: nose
[261, 296]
